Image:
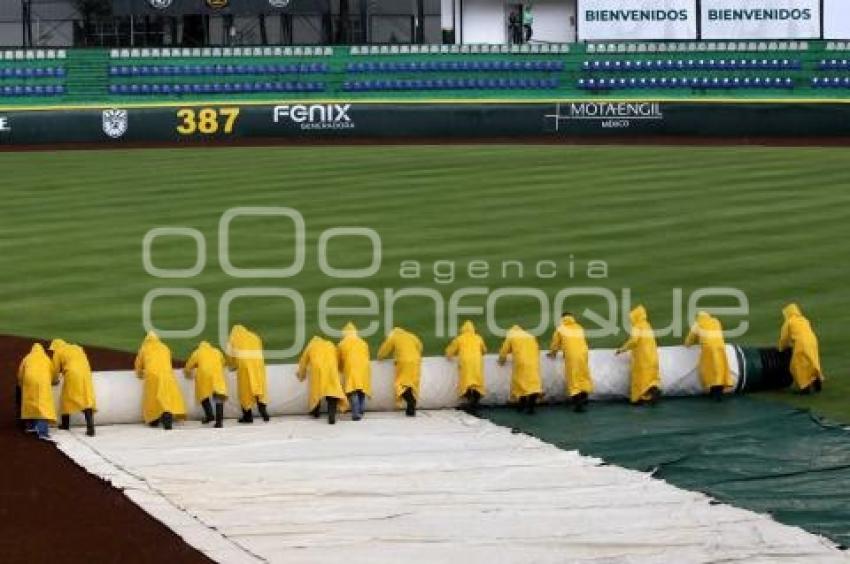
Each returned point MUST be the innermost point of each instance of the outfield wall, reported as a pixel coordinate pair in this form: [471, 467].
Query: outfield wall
[221, 122]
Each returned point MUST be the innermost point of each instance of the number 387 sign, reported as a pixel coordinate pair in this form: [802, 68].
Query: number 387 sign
[206, 121]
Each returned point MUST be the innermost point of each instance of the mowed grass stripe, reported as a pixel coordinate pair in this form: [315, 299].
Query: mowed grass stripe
[772, 221]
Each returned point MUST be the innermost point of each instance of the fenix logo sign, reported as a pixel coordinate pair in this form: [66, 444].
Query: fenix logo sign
[4, 124]
[315, 116]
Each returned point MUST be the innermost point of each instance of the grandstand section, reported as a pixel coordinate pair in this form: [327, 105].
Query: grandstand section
[165, 95]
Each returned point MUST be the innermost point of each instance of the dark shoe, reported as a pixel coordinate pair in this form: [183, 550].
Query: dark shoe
[89, 415]
[219, 415]
[654, 396]
[716, 393]
[579, 402]
[263, 412]
[817, 385]
[332, 410]
[167, 421]
[530, 403]
[208, 411]
[154, 423]
[316, 410]
[65, 424]
[520, 406]
[410, 399]
[247, 416]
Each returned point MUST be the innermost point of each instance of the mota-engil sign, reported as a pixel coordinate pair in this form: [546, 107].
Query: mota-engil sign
[601, 20]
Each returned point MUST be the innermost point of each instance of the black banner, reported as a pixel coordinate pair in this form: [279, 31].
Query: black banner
[221, 122]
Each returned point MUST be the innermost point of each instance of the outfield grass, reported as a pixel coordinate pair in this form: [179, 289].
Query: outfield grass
[773, 222]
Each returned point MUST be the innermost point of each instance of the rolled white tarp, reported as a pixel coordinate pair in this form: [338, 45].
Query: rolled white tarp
[119, 393]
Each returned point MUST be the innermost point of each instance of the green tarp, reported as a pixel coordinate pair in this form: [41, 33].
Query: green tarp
[750, 453]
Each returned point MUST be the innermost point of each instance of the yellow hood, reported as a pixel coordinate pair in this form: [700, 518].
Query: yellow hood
[703, 316]
[349, 329]
[637, 315]
[791, 310]
[151, 337]
[56, 344]
[468, 327]
[568, 320]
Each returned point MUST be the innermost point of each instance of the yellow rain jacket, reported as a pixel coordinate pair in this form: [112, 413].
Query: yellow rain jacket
[713, 364]
[245, 355]
[320, 359]
[525, 379]
[569, 338]
[406, 348]
[36, 378]
[798, 335]
[354, 363]
[208, 363]
[469, 348]
[161, 393]
[645, 373]
[77, 386]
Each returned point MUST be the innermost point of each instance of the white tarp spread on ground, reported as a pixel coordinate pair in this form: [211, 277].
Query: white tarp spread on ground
[119, 394]
[438, 488]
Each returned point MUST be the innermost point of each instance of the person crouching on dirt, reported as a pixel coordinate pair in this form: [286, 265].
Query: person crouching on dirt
[70, 361]
[319, 359]
[526, 386]
[713, 364]
[469, 349]
[207, 365]
[353, 356]
[797, 334]
[646, 378]
[162, 401]
[245, 355]
[406, 349]
[36, 379]
[569, 339]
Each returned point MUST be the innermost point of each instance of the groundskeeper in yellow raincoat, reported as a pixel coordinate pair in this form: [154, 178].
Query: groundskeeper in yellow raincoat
[320, 361]
[208, 363]
[77, 387]
[36, 379]
[469, 348]
[798, 335]
[161, 393]
[406, 349]
[353, 353]
[525, 378]
[645, 371]
[569, 339]
[713, 364]
[245, 355]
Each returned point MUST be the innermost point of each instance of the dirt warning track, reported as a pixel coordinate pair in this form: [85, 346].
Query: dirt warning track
[51, 510]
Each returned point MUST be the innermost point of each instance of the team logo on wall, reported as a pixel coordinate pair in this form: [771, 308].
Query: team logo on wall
[279, 3]
[217, 4]
[115, 123]
[160, 4]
